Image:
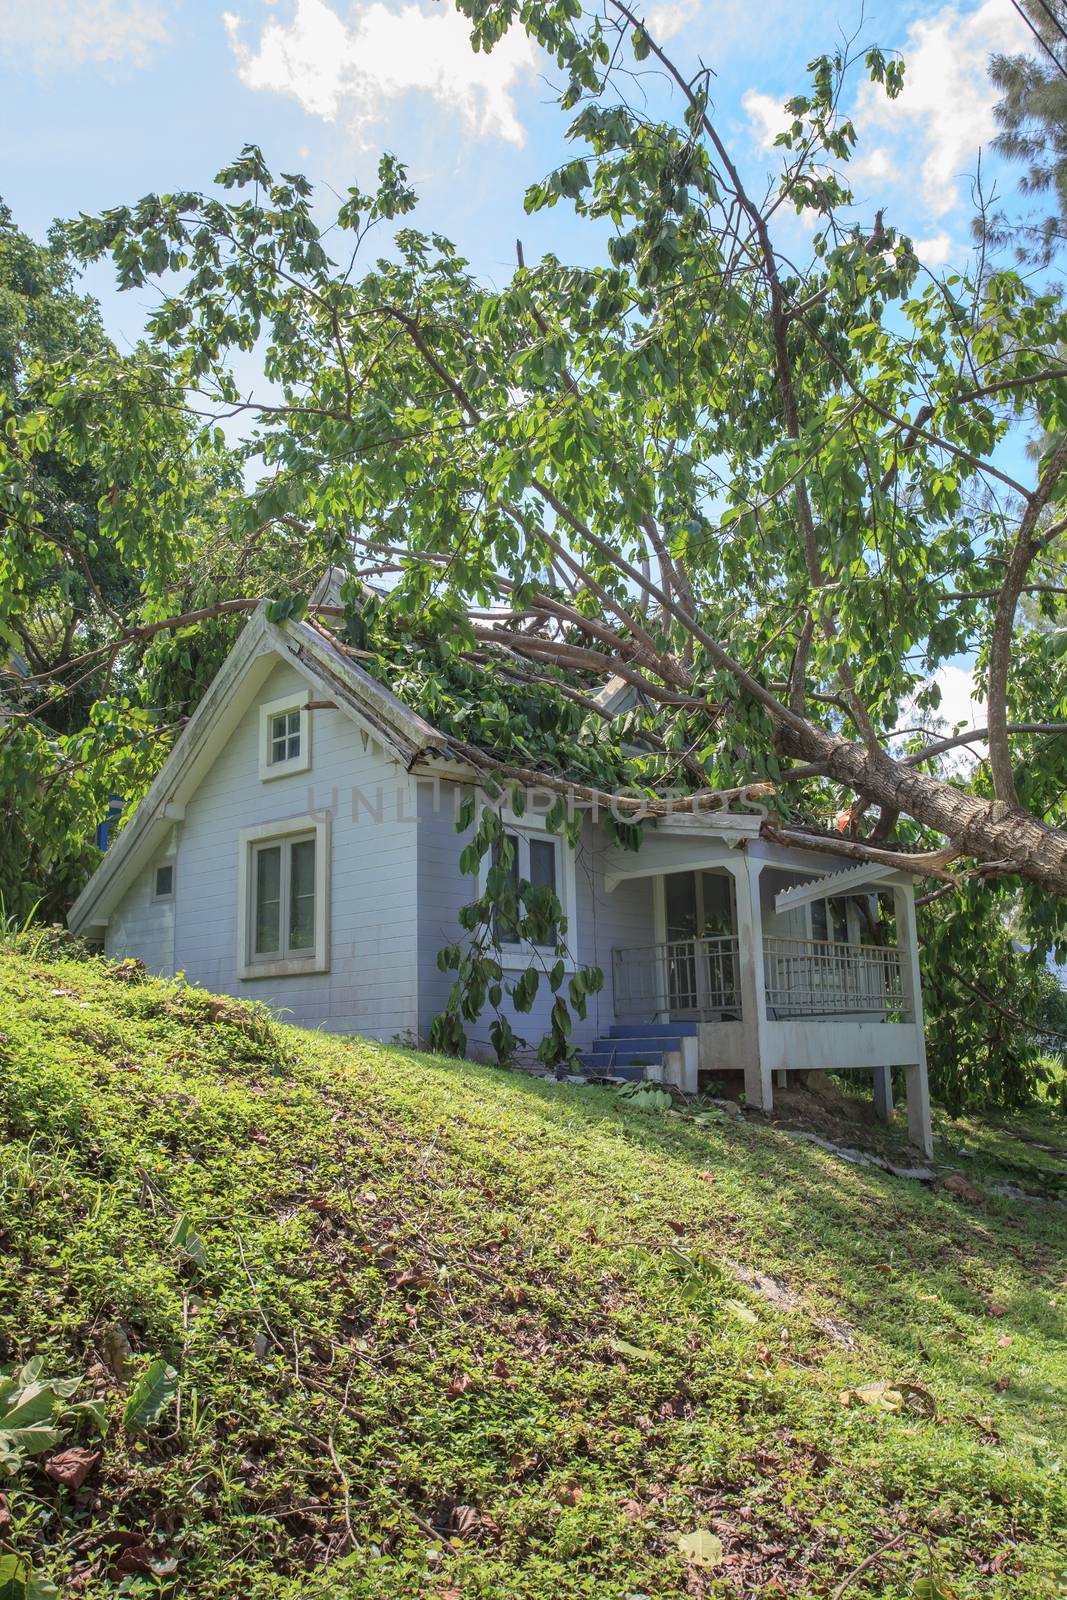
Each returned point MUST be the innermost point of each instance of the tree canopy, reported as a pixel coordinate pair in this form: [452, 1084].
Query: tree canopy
[773, 495]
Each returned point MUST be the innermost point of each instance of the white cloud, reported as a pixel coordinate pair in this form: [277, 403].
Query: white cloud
[962, 706]
[962, 700]
[68, 33]
[767, 117]
[873, 163]
[947, 102]
[664, 21]
[329, 64]
[935, 251]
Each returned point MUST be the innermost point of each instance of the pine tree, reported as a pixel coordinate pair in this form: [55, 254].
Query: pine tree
[1032, 116]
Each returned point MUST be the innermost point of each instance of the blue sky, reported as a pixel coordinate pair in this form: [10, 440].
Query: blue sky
[102, 101]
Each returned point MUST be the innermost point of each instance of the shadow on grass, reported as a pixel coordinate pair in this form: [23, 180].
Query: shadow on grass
[938, 1281]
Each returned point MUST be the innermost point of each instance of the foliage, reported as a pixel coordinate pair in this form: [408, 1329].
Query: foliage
[445, 1336]
[805, 458]
[996, 1016]
[768, 496]
[28, 1406]
[1033, 120]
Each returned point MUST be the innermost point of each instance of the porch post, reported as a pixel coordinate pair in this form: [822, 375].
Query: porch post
[917, 1086]
[883, 1093]
[759, 1090]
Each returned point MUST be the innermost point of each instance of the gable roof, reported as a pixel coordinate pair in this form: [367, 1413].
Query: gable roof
[403, 734]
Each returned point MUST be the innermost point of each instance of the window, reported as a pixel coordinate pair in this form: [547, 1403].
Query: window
[544, 862]
[282, 898]
[284, 736]
[829, 919]
[163, 882]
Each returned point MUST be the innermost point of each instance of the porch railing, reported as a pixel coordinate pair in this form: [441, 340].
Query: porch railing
[698, 979]
[822, 977]
[682, 978]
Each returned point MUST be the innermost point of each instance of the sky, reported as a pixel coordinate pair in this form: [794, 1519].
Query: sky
[103, 101]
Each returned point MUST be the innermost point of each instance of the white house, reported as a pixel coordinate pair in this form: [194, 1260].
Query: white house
[299, 846]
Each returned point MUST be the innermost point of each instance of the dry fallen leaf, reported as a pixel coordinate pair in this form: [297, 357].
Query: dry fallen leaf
[569, 1495]
[700, 1548]
[72, 1467]
[459, 1385]
[411, 1280]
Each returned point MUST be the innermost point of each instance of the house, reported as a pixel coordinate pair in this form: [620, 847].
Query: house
[299, 846]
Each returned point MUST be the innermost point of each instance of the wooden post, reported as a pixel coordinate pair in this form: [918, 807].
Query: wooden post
[920, 1131]
[759, 1091]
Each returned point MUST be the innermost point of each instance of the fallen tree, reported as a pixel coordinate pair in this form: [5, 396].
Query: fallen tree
[771, 499]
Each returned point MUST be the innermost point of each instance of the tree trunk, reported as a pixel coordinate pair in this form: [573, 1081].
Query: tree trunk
[989, 830]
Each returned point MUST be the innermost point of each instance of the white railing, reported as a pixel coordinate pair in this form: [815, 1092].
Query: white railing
[698, 979]
[683, 978]
[823, 977]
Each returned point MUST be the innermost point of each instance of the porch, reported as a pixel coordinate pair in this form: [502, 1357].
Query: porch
[767, 961]
[699, 980]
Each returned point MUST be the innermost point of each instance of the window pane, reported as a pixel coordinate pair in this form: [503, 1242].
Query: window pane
[681, 897]
[839, 918]
[268, 906]
[818, 920]
[284, 736]
[302, 895]
[164, 881]
[543, 864]
[504, 928]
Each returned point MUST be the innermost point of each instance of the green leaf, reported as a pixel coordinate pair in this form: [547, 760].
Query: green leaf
[153, 1391]
[186, 1242]
[14, 1578]
[931, 1588]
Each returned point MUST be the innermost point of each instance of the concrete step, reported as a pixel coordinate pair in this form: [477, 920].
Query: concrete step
[653, 1030]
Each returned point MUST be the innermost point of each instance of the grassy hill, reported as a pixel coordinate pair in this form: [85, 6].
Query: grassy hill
[445, 1332]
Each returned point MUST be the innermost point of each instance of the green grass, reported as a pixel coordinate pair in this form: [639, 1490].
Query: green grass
[430, 1286]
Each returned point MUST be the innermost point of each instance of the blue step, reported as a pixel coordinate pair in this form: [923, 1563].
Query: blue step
[647, 1044]
[607, 1066]
[605, 1048]
[653, 1030]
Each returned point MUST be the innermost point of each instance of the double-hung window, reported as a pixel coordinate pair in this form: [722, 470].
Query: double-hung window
[544, 862]
[284, 736]
[282, 911]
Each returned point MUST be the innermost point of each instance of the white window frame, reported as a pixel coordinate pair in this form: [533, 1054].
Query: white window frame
[298, 701]
[523, 955]
[164, 899]
[318, 958]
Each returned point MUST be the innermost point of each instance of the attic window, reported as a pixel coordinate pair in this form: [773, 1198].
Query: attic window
[163, 882]
[284, 736]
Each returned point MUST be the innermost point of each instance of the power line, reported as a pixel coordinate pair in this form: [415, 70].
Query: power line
[1039, 36]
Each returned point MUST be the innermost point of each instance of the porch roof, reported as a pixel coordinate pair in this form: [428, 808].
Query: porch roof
[850, 880]
[683, 843]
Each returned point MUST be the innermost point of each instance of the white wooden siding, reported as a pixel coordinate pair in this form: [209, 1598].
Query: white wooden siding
[371, 985]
